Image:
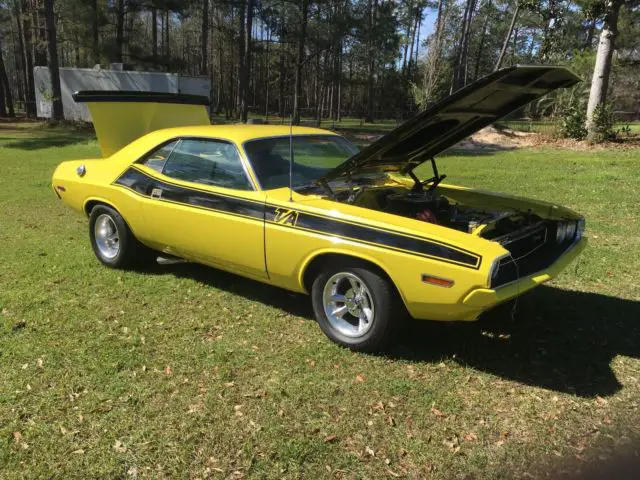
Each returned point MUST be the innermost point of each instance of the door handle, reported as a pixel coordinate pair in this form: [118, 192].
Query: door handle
[156, 193]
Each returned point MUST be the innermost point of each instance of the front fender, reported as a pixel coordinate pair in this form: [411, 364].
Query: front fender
[310, 260]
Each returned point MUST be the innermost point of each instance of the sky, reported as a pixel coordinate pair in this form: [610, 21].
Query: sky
[427, 25]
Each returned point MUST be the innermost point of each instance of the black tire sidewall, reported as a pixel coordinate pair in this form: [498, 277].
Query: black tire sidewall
[384, 300]
[126, 252]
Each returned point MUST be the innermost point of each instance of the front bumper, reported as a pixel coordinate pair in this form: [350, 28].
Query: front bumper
[482, 299]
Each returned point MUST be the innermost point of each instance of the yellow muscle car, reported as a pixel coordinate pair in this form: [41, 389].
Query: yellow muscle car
[304, 210]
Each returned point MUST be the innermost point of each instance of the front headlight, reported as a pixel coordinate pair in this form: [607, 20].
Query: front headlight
[561, 232]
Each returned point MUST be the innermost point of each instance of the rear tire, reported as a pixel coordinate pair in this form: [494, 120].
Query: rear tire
[113, 241]
[356, 306]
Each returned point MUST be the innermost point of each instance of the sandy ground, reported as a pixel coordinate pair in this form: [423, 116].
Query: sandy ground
[490, 138]
[493, 139]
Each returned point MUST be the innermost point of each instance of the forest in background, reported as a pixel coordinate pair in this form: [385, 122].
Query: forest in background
[330, 59]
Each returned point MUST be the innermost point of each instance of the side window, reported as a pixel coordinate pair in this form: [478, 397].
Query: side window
[209, 162]
[158, 157]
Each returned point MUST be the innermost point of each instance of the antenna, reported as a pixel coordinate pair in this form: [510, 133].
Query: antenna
[291, 158]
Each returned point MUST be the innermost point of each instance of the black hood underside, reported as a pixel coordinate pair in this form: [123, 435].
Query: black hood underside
[456, 117]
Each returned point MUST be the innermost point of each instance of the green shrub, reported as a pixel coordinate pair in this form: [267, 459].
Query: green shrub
[572, 125]
[603, 125]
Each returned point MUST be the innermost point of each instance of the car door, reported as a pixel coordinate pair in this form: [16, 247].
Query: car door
[201, 204]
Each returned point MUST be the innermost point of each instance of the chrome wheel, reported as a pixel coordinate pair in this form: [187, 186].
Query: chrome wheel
[348, 304]
[106, 234]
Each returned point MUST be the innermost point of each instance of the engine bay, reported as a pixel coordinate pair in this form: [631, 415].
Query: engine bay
[433, 207]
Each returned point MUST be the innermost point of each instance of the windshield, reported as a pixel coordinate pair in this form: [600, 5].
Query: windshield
[314, 156]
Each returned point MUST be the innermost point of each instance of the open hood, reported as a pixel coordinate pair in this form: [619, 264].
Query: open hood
[456, 117]
[120, 117]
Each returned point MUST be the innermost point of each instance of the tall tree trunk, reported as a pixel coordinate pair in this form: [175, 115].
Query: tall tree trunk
[338, 75]
[3, 106]
[602, 69]
[412, 41]
[415, 34]
[52, 48]
[25, 27]
[21, 54]
[38, 35]
[455, 82]
[204, 38]
[167, 45]
[590, 33]
[316, 80]
[299, 61]
[221, 50]
[76, 50]
[418, 26]
[4, 84]
[17, 62]
[281, 69]
[406, 49]
[242, 13]
[371, 14]
[95, 33]
[266, 82]
[461, 58]
[505, 45]
[550, 24]
[245, 61]
[154, 34]
[339, 105]
[483, 38]
[120, 31]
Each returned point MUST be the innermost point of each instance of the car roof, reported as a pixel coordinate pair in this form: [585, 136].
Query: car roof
[240, 133]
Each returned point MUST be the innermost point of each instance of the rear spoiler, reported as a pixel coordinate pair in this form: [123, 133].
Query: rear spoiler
[120, 117]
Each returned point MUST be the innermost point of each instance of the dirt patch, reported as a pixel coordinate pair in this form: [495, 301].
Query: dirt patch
[624, 143]
[492, 139]
[499, 139]
[487, 139]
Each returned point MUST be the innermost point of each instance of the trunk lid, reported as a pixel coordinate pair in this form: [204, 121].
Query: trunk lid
[119, 117]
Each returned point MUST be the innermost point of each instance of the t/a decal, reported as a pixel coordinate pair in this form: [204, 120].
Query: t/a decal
[286, 217]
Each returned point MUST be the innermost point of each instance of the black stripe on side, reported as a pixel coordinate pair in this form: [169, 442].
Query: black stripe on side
[143, 184]
[384, 238]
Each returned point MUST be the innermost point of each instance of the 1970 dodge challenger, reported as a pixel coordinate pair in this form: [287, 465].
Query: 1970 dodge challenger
[360, 231]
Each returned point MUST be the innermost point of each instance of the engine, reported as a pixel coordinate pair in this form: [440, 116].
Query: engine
[437, 209]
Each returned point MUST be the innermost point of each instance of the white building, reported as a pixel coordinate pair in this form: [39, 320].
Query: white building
[77, 79]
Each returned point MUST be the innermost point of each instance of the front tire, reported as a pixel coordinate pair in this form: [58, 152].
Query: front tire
[356, 306]
[112, 240]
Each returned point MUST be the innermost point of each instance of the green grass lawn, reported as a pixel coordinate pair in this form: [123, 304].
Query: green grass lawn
[188, 372]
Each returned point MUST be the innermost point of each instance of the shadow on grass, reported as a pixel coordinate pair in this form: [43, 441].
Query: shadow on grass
[289, 302]
[48, 141]
[559, 340]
